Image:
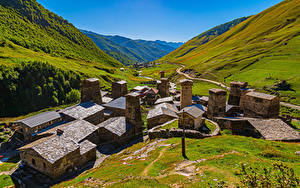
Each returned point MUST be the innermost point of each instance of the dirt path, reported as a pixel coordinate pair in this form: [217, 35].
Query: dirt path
[146, 170]
[178, 70]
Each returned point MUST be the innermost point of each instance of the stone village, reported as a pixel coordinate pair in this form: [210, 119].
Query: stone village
[59, 142]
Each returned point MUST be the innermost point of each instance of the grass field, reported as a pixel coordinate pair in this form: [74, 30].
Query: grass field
[263, 50]
[154, 72]
[164, 166]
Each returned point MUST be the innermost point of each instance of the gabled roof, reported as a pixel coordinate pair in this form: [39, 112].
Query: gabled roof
[162, 100]
[83, 110]
[261, 95]
[168, 106]
[161, 111]
[39, 119]
[55, 148]
[140, 88]
[79, 130]
[193, 110]
[106, 100]
[119, 103]
[86, 146]
[116, 125]
[151, 91]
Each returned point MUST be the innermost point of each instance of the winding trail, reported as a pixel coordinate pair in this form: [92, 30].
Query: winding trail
[178, 70]
[146, 170]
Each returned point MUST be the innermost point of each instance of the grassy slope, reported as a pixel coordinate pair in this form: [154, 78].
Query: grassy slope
[223, 154]
[262, 50]
[29, 32]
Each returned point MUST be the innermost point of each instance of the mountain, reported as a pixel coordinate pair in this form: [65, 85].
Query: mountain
[262, 50]
[43, 57]
[173, 44]
[28, 24]
[129, 51]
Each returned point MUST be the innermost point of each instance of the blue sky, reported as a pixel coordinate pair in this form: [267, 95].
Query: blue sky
[170, 20]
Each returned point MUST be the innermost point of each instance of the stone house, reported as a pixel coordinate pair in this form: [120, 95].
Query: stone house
[164, 100]
[57, 155]
[216, 103]
[119, 89]
[35, 124]
[140, 89]
[150, 96]
[159, 116]
[116, 130]
[88, 111]
[116, 107]
[191, 117]
[260, 105]
[81, 130]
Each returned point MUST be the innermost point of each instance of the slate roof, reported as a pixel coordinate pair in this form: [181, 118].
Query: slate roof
[122, 82]
[185, 80]
[79, 130]
[55, 148]
[193, 110]
[83, 110]
[119, 103]
[103, 93]
[39, 119]
[92, 79]
[195, 98]
[106, 100]
[140, 88]
[204, 98]
[116, 125]
[216, 90]
[161, 111]
[162, 100]
[168, 106]
[274, 129]
[86, 146]
[261, 95]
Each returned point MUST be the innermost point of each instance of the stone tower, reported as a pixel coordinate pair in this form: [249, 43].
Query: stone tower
[162, 74]
[133, 112]
[90, 91]
[119, 89]
[186, 93]
[216, 102]
[163, 87]
[236, 92]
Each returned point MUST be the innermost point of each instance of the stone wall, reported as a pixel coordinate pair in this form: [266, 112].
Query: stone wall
[158, 120]
[163, 88]
[119, 89]
[133, 112]
[260, 107]
[96, 118]
[235, 92]
[216, 103]
[165, 133]
[90, 91]
[189, 122]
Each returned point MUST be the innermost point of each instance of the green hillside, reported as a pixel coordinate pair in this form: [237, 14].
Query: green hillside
[30, 33]
[213, 162]
[263, 50]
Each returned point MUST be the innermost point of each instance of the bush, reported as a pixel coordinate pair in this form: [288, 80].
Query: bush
[279, 175]
[73, 96]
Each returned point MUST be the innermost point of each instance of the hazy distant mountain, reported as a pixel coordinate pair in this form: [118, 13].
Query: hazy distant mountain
[129, 51]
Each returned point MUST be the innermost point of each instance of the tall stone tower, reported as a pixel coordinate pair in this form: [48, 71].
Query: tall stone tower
[133, 112]
[236, 92]
[163, 87]
[90, 91]
[119, 89]
[162, 74]
[216, 102]
[186, 93]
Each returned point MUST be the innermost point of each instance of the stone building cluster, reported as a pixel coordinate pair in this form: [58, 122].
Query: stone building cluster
[246, 112]
[63, 141]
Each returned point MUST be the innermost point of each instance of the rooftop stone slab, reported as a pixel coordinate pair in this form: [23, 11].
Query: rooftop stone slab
[217, 91]
[261, 95]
